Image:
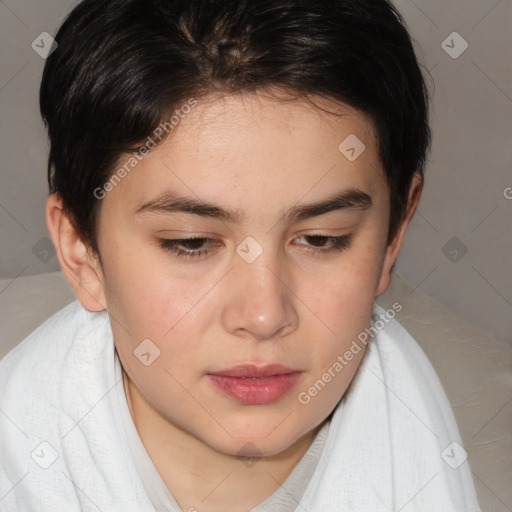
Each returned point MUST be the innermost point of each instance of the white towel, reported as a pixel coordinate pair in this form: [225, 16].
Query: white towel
[393, 444]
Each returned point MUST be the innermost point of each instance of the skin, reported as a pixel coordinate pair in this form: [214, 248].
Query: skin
[293, 305]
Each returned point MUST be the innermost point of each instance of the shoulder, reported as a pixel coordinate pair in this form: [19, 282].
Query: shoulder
[396, 347]
[34, 361]
[396, 425]
[397, 373]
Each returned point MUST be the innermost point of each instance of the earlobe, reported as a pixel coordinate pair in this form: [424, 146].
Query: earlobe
[80, 267]
[393, 249]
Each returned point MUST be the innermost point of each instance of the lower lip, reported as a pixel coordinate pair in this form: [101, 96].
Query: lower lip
[256, 391]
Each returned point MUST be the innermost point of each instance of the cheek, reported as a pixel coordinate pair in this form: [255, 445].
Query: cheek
[344, 301]
[147, 301]
[344, 306]
[153, 320]
[347, 290]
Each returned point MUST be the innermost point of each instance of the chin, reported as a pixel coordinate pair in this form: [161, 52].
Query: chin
[255, 442]
[255, 448]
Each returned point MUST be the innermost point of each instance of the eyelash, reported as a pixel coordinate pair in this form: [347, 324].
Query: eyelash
[339, 243]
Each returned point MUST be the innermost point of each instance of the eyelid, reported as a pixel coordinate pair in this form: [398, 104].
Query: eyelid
[193, 234]
[339, 244]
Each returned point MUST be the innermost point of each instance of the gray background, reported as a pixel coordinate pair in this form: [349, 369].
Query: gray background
[459, 246]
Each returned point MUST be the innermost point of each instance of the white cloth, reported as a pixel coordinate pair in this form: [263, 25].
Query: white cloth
[392, 445]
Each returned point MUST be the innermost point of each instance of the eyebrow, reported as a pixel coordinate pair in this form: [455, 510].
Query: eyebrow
[169, 203]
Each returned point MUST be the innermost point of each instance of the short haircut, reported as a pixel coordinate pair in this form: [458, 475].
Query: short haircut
[123, 66]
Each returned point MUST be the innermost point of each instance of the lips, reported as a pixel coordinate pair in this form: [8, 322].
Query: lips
[255, 385]
[254, 371]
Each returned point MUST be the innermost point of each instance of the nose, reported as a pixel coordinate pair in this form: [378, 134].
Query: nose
[261, 305]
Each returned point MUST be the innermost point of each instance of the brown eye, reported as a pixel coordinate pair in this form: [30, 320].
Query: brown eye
[323, 243]
[186, 247]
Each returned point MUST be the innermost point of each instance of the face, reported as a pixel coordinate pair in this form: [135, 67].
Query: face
[267, 278]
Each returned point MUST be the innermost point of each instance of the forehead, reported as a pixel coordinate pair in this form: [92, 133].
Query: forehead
[277, 119]
[251, 150]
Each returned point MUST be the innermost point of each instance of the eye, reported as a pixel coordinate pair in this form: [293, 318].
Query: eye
[199, 247]
[327, 244]
[186, 247]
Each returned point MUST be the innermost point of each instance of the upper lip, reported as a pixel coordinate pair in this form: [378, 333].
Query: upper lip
[253, 370]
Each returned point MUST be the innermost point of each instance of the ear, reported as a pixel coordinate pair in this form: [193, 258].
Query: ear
[78, 264]
[393, 248]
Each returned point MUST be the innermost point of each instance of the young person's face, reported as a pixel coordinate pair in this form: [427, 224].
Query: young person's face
[300, 303]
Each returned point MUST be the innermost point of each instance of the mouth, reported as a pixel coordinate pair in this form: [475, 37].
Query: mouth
[255, 385]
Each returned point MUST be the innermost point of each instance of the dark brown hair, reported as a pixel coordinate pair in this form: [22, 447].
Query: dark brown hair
[123, 66]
